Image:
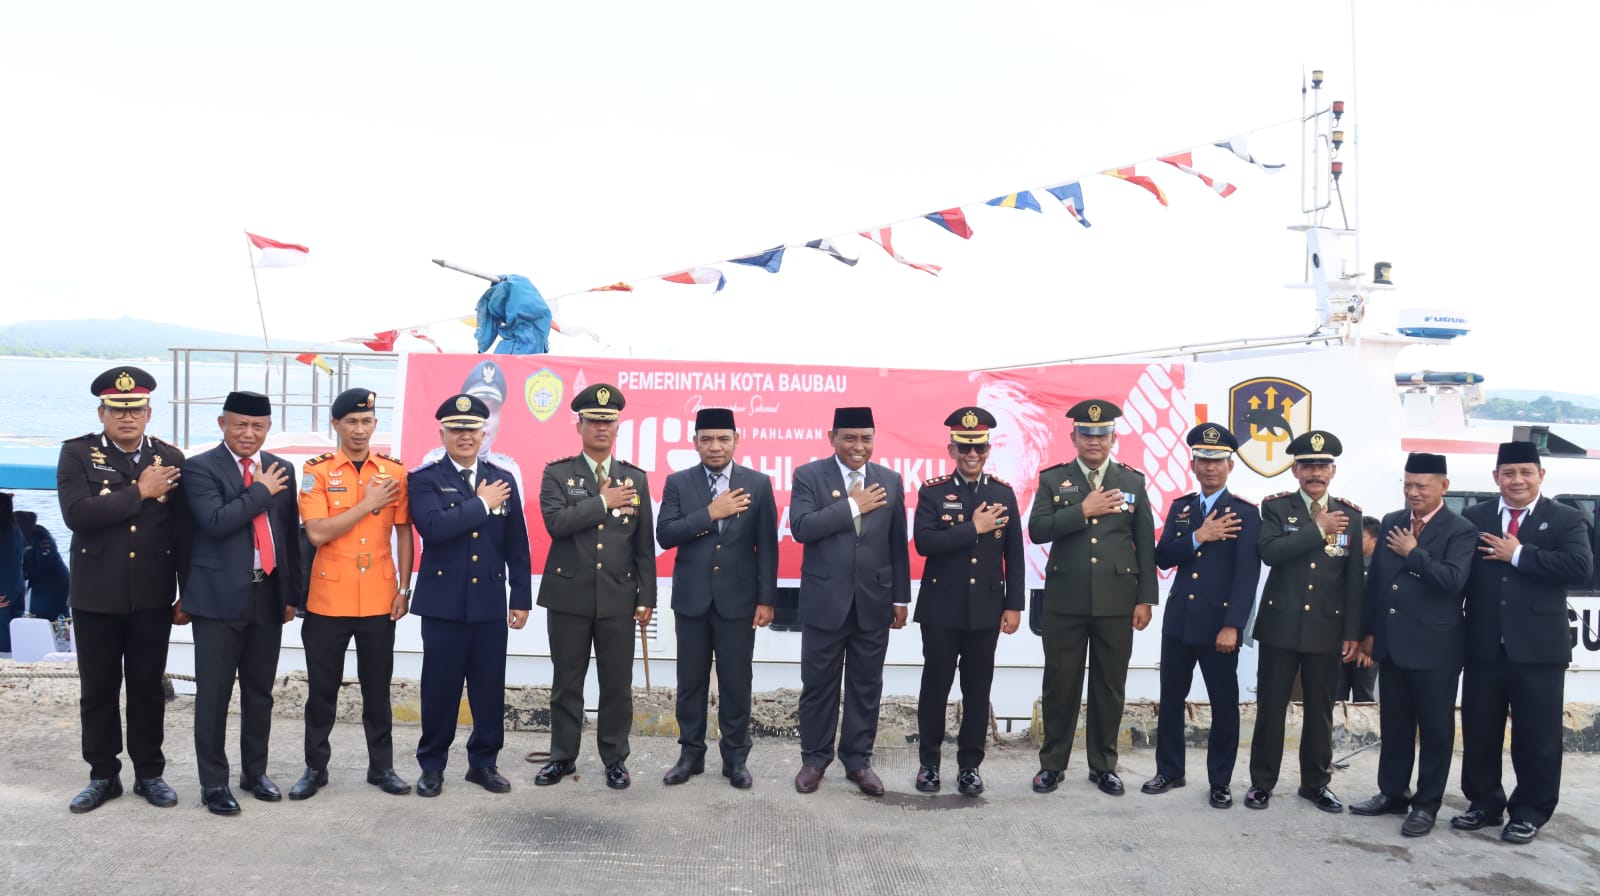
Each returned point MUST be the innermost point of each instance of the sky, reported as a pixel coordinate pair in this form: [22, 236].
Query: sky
[583, 144]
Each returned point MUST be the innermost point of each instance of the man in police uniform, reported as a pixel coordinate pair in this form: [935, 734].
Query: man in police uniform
[130, 543]
[486, 382]
[973, 589]
[475, 543]
[1210, 537]
[353, 503]
[1415, 632]
[599, 581]
[1309, 620]
[1099, 587]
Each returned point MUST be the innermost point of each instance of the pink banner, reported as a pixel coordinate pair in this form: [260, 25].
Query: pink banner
[784, 413]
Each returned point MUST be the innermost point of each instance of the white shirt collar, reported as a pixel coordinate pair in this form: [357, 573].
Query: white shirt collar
[1507, 508]
[846, 471]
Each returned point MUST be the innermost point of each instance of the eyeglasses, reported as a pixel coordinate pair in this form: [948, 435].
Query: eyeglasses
[127, 413]
[968, 449]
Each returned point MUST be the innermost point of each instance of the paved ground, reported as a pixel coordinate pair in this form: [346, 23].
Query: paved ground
[705, 837]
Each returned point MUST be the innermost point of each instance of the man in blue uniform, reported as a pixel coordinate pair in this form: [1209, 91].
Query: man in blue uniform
[1210, 537]
[973, 589]
[475, 543]
[487, 381]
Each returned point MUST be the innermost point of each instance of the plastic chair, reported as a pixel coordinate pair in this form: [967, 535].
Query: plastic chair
[31, 639]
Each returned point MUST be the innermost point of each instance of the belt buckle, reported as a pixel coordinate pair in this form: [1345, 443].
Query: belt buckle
[364, 560]
[257, 576]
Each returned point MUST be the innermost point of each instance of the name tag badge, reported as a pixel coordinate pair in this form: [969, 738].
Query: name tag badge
[104, 469]
[952, 505]
[337, 488]
[1291, 528]
[453, 491]
[1069, 486]
[578, 492]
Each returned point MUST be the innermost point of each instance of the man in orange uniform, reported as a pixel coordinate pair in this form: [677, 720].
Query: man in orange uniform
[353, 501]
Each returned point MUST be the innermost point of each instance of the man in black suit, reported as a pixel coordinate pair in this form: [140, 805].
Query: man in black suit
[1518, 646]
[244, 584]
[1308, 619]
[1211, 537]
[594, 597]
[1414, 630]
[973, 588]
[855, 585]
[723, 521]
[475, 548]
[130, 545]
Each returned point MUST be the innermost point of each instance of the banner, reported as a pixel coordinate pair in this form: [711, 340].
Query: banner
[784, 413]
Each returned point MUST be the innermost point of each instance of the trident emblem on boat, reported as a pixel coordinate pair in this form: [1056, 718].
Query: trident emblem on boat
[1265, 413]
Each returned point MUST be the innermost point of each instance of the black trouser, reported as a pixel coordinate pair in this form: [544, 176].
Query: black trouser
[1067, 639]
[1275, 673]
[851, 655]
[1418, 712]
[1532, 692]
[1221, 674]
[732, 642]
[1357, 684]
[246, 648]
[111, 646]
[943, 650]
[325, 639]
[453, 652]
[571, 637]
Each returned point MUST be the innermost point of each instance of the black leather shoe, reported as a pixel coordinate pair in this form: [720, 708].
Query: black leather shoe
[387, 781]
[1382, 804]
[219, 801]
[1519, 832]
[1108, 782]
[431, 782]
[808, 779]
[489, 778]
[866, 780]
[928, 779]
[1221, 797]
[969, 782]
[1256, 798]
[684, 770]
[617, 776]
[1473, 819]
[312, 781]
[738, 775]
[1417, 824]
[94, 796]
[1322, 798]
[1161, 784]
[155, 792]
[554, 771]
[262, 787]
[1046, 780]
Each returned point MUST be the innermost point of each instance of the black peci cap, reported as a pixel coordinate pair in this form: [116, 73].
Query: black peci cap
[250, 404]
[1422, 462]
[852, 418]
[713, 418]
[1517, 453]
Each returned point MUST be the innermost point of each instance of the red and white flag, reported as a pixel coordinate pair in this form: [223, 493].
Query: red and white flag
[273, 254]
[1184, 162]
[702, 275]
[883, 237]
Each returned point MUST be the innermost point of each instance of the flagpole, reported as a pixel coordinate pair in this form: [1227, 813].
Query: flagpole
[254, 281]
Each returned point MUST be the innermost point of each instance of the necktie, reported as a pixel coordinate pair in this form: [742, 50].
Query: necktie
[717, 488]
[260, 530]
[1417, 523]
[855, 483]
[466, 476]
[600, 475]
[1094, 480]
[1516, 521]
[1316, 509]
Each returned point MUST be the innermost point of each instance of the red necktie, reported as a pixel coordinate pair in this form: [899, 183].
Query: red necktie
[1516, 521]
[259, 526]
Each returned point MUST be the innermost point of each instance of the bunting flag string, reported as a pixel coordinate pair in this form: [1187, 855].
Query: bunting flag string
[953, 220]
[1131, 176]
[615, 287]
[314, 360]
[883, 237]
[769, 261]
[1238, 147]
[1184, 161]
[702, 275]
[828, 248]
[1023, 200]
[1071, 196]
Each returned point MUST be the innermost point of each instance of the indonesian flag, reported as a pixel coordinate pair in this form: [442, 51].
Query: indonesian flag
[883, 237]
[1184, 162]
[1140, 180]
[953, 220]
[273, 254]
[704, 276]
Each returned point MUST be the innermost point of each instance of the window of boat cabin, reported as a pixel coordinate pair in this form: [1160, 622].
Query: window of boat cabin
[1589, 506]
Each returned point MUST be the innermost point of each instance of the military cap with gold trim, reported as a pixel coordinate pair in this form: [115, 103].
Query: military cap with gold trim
[462, 412]
[1208, 441]
[352, 400]
[970, 426]
[1094, 417]
[601, 402]
[1318, 446]
[123, 387]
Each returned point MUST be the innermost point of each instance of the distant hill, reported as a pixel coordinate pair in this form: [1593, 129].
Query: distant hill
[1573, 398]
[125, 337]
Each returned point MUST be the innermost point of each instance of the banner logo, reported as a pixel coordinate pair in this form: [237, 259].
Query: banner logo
[543, 391]
[1265, 413]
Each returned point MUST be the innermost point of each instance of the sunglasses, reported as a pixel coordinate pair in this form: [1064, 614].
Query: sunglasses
[968, 449]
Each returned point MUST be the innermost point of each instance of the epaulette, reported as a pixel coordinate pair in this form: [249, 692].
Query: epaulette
[628, 464]
[939, 480]
[1189, 495]
[994, 478]
[1243, 500]
[562, 460]
[391, 457]
[163, 443]
[1054, 467]
[1130, 469]
[1276, 496]
[323, 458]
[87, 435]
[1354, 506]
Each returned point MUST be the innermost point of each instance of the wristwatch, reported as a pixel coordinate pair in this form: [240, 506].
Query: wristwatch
[405, 593]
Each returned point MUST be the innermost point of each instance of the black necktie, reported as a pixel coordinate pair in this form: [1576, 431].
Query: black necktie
[466, 476]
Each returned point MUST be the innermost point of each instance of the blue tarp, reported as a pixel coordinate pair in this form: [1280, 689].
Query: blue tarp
[515, 312]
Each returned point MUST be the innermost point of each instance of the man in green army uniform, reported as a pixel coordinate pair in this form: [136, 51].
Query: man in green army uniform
[1308, 621]
[1095, 515]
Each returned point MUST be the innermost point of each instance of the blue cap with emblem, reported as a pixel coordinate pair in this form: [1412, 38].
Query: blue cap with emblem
[462, 412]
[1208, 441]
[486, 381]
